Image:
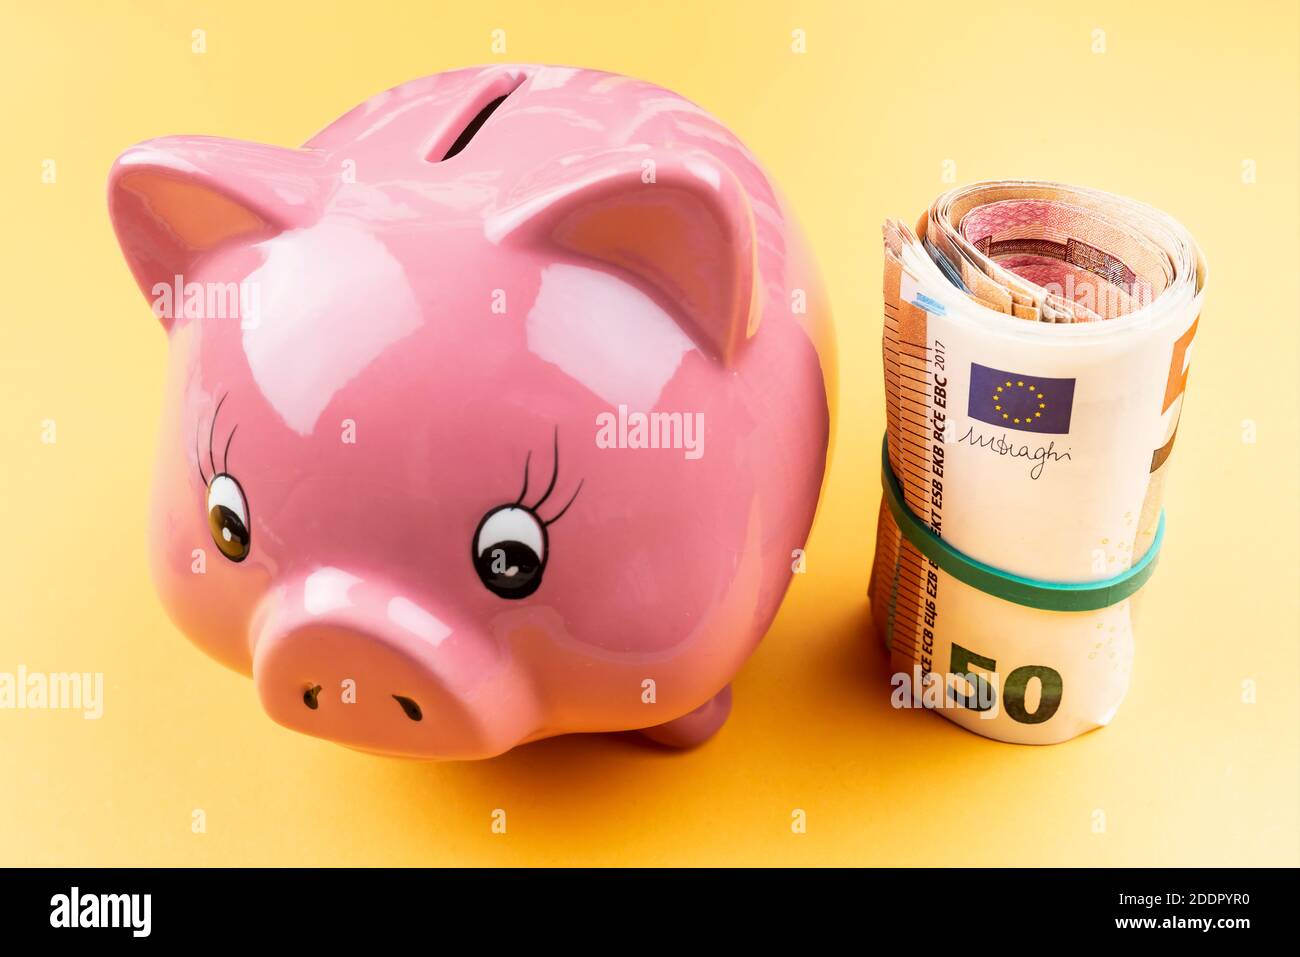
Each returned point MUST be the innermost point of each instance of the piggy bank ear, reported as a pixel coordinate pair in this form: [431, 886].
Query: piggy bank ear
[174, 199]
[679, 223]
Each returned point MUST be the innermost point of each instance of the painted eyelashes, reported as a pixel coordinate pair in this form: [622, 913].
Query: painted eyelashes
[510, 548]
[227, 505]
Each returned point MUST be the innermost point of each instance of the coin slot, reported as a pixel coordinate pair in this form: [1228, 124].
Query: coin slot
[473, 127]
[488, 100]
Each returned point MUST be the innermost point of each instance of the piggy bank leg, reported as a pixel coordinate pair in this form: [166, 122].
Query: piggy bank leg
[696, 727]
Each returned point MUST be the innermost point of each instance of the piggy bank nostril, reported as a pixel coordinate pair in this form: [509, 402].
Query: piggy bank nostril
[410, 707]
[309, 697]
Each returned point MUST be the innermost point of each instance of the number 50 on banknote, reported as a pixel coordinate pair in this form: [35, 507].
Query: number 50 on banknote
[1036, 347]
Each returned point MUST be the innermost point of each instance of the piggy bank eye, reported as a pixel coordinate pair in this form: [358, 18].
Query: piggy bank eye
[228, 517]
[510, 551]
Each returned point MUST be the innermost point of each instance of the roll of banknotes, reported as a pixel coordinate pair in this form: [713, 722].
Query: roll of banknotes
[1036, 347]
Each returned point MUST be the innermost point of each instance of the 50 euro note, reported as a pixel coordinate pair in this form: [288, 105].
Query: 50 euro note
[1036, 347]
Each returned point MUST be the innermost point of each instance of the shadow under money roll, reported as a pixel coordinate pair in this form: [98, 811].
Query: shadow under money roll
[1036, 345]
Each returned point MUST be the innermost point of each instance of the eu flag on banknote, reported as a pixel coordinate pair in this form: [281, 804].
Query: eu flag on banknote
[1018, 400]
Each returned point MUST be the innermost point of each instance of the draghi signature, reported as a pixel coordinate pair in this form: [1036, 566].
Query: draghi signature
[999, 445]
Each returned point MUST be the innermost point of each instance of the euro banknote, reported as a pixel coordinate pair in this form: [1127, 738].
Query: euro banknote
[1036, 348]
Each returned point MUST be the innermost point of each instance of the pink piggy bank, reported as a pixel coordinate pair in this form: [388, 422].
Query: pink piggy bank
[497, 411]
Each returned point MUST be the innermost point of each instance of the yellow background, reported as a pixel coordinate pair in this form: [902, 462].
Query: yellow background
[855, 129]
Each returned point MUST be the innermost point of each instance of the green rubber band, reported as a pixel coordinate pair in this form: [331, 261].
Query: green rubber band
[1050, 596]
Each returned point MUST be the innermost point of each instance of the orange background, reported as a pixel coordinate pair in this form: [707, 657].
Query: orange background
[857, 128]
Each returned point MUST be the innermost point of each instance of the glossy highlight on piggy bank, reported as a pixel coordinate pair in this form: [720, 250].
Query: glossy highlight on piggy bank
[495, 412]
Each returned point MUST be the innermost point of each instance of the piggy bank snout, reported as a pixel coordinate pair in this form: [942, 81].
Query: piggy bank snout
[392, 679]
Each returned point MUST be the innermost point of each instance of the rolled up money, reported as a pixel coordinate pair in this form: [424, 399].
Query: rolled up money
[1036, 346]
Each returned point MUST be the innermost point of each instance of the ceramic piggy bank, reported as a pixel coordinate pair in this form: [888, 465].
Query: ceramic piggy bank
[497, 411]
